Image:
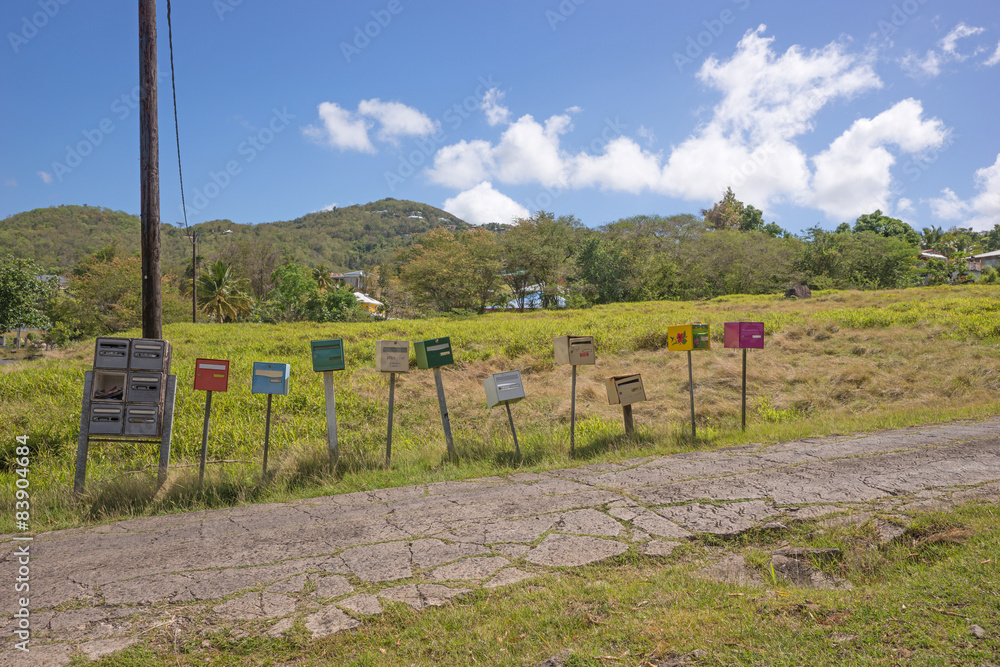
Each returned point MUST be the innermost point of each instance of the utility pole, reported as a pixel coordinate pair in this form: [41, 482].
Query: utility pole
[194, 277]
[149, 173]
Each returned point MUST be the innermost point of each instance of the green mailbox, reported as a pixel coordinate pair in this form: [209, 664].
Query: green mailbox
[328, 355]
[433, 353]
[699, 333]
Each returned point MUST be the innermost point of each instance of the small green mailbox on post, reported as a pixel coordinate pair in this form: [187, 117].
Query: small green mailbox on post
[433, 353]
[328, 355]
[700, 335]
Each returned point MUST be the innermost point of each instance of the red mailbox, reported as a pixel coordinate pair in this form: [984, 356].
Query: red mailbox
[211, 374]
[744, 335]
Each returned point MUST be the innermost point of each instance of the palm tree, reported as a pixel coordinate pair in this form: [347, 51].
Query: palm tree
[932, 237]
[321, 275]
[221, 294]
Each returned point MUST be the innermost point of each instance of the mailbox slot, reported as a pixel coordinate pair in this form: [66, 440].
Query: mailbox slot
[211, 375]
[109, 386]
[328, 355]
[575, 350]
[150, 355]
[392, 356]
[625, 389]
[106, 419]
[503, 388]
[145, 388]
[142, 420]
[700, 337]
[111, 353]
[270, 378]
[433, 353]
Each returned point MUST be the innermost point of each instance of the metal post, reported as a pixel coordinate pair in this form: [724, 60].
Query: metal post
[445, 421]
[267, 432]
[572, 415]
[166, 429]
[149, 173]
[331, 418]
[204, 440]
[694, 433]
[84, 442]
[513, 431]
[744, 389]
[388, 434]
[627, 415]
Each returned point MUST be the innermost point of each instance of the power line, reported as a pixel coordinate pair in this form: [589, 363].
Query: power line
[177, 131]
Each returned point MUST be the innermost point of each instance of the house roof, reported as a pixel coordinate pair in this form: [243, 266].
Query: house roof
[987, 255]
[362, 298]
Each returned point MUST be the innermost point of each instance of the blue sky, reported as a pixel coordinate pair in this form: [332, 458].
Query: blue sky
[814, 112]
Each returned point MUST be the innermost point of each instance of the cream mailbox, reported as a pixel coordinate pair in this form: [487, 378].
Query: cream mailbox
[433, 353]
[392, 356]
[270, 378]
[575, 350]
[503, 388]
[744, 335]
[625, 390]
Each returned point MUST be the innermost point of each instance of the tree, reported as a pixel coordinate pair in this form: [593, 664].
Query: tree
[931, 237]
[294, 286]
[321, 275]
[253, 259]
[883, 225]
[537, 254]
[727, 213]
[21, 292]
[606, 270]
[334, 305]
[221, 295]
[448, 271]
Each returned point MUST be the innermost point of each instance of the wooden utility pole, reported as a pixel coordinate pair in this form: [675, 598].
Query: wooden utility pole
[149, 173]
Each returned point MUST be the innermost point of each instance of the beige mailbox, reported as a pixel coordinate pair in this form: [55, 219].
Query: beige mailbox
[392, 356]
[625, 389]
[575, 350]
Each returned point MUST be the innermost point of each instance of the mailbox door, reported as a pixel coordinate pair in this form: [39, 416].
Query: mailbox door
[680, 338]
[392, 356]
[434, 353]
[270, 378]
[626, 390]
[733, 331]
[504, 388]
[328, 355]
[111, 352]
[109, 385]
[700, 337]
[106, 419]
[142, 420]
[581, 351]
[752, 335]
[145, 388]
[150, 355]
[211, 375]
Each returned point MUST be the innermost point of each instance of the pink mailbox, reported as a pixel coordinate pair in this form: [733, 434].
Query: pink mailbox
[743, 335]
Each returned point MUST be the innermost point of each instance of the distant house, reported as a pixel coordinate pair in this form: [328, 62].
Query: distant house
[984, 261]
[46, 277]
[415, 217]
[930, 254]
[353, 279]
[368, 303]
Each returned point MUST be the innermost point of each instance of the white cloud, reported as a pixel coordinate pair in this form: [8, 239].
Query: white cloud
[341, 129]
[482, 204]
[529, 152]
[983, 210]
[462, 165]
[46, 177]
[329, 207]
[932, 63]
[950, 42]
[397, 119]
[905, 206]
[10, 183]
[995, 58]
[496, 113]
[623, 166]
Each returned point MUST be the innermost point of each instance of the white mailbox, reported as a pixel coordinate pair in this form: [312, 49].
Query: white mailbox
[575, 350]
[625, 390]
[503, 388]
[392, 356]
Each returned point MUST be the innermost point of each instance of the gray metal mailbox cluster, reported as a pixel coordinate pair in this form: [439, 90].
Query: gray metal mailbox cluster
[129, 386]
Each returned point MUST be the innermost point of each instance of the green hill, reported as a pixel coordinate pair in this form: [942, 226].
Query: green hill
[344, 238]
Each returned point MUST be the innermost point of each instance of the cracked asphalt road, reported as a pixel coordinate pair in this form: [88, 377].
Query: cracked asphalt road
[332, 561]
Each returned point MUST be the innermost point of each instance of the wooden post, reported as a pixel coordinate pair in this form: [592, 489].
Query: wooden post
[204, 440]
[267, 433]
[194, 277]
[513, 431]
[388, 434]
[166, 428]
[627, 416]
[744, 389]
[694, 432]
[149, 173]
[83, 444]
[331, 418]
[572, 415]
[445, 421]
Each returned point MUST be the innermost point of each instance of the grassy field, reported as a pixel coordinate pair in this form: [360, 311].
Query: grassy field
[840, 362]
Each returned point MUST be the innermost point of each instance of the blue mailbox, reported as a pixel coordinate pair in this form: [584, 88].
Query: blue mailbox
[270, 378]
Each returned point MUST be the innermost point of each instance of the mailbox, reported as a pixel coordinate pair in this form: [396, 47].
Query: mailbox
[433, 353]
[575, 350]
[328, 355]
[392, 356]
[270, 378]
[503, 388]
[625, 389]
[142, 420]
[144, 388]
[109, 386]
[680, 338]
[700, 337]
[106, 419]
[743, 335]
[111, 353]
[150, 355]
[211, 375]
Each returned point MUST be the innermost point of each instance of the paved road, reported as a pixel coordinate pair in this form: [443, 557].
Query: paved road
[334, 560]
